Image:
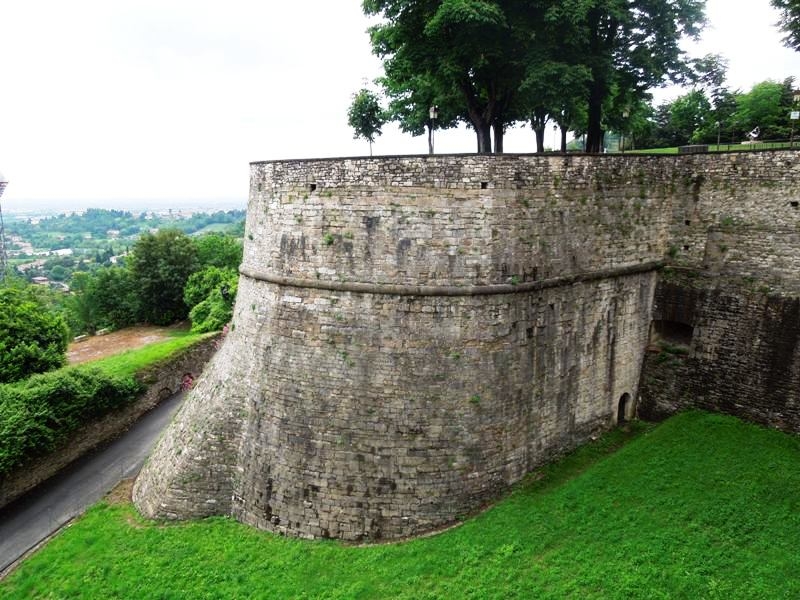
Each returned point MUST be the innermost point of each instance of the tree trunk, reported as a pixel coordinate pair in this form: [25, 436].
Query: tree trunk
[498, 138]
[538, 120]
[539, 131]
[603, 28]
[594, 132]
[564, 140]
[483, 133]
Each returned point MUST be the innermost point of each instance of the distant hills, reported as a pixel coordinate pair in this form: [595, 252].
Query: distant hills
[42, 208]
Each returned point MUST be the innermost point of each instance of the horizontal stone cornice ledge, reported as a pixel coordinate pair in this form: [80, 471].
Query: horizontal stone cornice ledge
[448, 290]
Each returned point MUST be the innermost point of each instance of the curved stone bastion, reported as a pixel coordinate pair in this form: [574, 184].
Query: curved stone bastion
[412, 335]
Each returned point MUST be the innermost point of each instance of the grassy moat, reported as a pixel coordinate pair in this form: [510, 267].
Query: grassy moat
[701, 506]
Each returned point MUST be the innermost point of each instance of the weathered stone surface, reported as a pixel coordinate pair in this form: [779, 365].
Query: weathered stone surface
[744, 356]
[737, 292]
[411, 335]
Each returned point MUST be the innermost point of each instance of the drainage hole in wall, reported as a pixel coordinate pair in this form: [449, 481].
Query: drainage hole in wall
[312, 187]
[687, 222]
[686, 247]
[794, 203]
[484, 185]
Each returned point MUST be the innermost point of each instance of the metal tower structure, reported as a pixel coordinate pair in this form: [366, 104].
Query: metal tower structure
[3, 254]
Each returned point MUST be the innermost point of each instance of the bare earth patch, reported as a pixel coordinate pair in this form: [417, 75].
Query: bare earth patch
[101, 346]
[122, 492]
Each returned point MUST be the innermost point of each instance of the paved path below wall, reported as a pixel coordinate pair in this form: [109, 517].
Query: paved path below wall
[49, 507]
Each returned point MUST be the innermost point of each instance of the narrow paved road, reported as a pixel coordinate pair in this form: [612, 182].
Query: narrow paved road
[50, 506]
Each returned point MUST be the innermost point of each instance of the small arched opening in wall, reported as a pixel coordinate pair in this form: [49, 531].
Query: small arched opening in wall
[624, 409]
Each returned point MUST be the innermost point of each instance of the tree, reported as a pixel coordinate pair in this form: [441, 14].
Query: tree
[108, 297]
[160, 264]
[555, 76]
[366, 116]
[33, 339]
[684, 119]
[82, 309]
[410, 108]
[630, 46]
[210, 294]
[553, 90]
[474, 47]
[115, 297]
[766, 106]
[789, 21]
[512, 60]
[219, 250]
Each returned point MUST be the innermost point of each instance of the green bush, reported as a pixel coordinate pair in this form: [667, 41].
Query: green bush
[33, 339]
[42, 411]
[210, 294]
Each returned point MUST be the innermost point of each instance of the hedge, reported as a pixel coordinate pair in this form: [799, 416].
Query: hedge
[39, 413]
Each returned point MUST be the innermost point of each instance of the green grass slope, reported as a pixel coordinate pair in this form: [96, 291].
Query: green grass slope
[131, 362]
[703, 506]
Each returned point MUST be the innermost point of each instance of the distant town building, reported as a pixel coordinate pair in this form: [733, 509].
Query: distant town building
[24, 268]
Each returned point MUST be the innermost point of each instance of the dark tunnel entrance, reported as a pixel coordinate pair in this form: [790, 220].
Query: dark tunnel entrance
[624, 409]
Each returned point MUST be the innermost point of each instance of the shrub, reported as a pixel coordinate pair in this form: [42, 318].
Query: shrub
[33, 339]
[210, 294]
[42, 411]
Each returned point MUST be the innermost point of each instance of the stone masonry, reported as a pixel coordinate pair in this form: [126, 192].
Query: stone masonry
[413, 334]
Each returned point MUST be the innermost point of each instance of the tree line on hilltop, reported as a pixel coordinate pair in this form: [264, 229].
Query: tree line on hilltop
[90, 229]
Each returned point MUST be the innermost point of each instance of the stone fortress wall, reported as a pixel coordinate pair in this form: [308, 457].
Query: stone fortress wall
[413, 334]
[731, 307]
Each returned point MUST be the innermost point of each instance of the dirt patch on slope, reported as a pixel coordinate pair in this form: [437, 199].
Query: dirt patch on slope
[122, 492]
[101, 346]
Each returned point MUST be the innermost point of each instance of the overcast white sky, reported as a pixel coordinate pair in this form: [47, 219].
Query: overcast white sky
[171, 99]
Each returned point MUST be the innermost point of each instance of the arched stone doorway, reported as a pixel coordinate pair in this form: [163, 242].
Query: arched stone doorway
[624, 409]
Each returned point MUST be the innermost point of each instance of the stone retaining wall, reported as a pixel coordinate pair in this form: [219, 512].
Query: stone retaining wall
[162, 381]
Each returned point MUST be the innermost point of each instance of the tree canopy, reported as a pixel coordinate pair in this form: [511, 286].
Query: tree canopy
[219, 250]
[160, 264]
[366, 116]
[469, 56]
[491, 63]
[789, 21]
[210, 294]
[108, 297]
[629, 47]
[33, 339]
[766, 106]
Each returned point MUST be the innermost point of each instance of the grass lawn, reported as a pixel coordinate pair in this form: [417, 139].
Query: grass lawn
[723, 148]
[702, 506]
